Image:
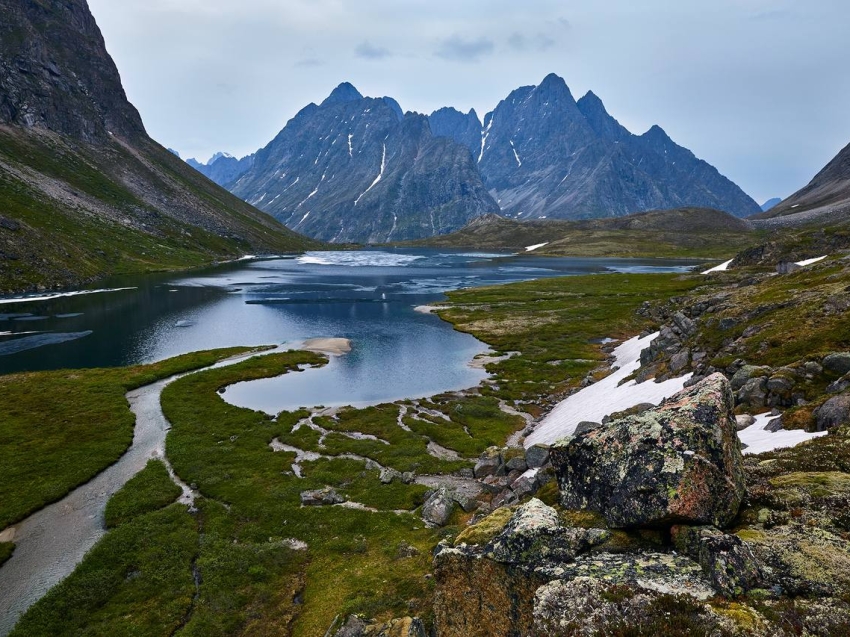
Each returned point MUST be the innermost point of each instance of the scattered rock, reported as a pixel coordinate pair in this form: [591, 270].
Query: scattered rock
[438, 508]
[679, 463]
[746, 373]
[679, 361]
[516, 464]
[725, 559]
[388, 475]
[837, 362]
[753, 393]
[536, 456]
[488, 463]
[833, 412]
[321, 497]
[774, 425]
[743, 421]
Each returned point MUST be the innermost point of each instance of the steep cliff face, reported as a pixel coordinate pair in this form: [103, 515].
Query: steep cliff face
[84, 192]
[55, 73]
[352, 169]
[545, 155]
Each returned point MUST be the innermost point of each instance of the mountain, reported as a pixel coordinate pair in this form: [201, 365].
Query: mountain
[84, 192]
[223, 168]
[355, 169]
[684, 232]
[770, 203]
[542, 154]
[827, 194]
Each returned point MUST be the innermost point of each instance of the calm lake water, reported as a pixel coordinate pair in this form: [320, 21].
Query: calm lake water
[366, 296]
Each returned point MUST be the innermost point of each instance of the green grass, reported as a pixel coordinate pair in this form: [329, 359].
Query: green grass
[6, 550]
[552, 324]
[59, 429]
[136, 581]
[149, 490]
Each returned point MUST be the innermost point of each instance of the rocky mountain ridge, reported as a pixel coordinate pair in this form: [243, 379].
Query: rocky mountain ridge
[539, 154]
[84, 192]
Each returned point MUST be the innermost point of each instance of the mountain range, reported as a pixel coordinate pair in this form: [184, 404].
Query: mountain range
[84, 191]
[355, 168]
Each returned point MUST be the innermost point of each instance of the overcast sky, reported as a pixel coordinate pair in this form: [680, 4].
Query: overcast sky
[759, 88]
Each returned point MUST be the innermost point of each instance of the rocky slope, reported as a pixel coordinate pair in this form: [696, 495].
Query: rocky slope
[543, 154]
[355, 169]
[828, 192]
[84, 191]
[683, 232]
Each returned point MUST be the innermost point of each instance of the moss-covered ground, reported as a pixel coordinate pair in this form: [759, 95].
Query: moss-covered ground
[59, 429]
[149, 490]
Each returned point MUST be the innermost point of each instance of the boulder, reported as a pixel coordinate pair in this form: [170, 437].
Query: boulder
[403, 627]
[837, 362]
[488, 463]
[516, 464]
[743, 421]
[774, 425]
[834, 411]
[321, 497]
[679, 361]
[727, 561]
[536, 456]
[388, 475]
[746, 373]
[438, 508]
[680, 463]
[753, 393]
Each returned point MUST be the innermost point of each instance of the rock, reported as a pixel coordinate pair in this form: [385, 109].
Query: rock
[403, 627]
[408, 477]
[839, 385]
[585, 425]
[524, 486]
[780, 385]
[536, 456]
[680, 463]
[753, 393]
[679, 361]
[467, 502]
[746, 373]
[774, 425]
[488, 463]
[388, 475]
[725, 559]
[438, 508]
[321, 497]
[516, 464]
[837, 362]
[743, 421]
[685, 325]
[834, 411]
[813, 369]
[786, 267]
[353, 627]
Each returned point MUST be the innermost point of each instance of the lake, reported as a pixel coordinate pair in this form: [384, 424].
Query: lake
[367, 296]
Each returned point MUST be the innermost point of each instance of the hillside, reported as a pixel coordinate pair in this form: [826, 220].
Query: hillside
[685, 232]
[827, 194]
[84, 192]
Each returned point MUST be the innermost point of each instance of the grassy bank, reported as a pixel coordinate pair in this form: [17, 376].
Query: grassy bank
[59, 429]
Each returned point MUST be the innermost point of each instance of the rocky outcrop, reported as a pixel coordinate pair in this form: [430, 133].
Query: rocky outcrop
[834, 412]
[321, 497]
[438, 508]
[355, 626]
[679, 463]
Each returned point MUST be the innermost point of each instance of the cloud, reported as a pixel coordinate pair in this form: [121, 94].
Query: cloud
[310, 62]
[369, 51]
[459, 49]
[524, 43]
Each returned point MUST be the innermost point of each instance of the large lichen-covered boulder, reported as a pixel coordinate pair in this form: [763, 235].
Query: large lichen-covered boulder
[680, 463]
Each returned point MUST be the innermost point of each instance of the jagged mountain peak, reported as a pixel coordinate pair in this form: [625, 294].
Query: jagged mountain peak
[345, 92]
[395, 106]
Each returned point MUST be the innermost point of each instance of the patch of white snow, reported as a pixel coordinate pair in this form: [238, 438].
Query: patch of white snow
[759, 441]
[536, 246]
[810, 261]
[720, 268]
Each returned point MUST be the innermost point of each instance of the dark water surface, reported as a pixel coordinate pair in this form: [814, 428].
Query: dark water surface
[366, 296]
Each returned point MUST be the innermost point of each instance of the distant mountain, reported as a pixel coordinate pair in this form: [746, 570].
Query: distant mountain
[223, 168]
[542, 154]
[84, 192]
[770, 203]
[827, 193]
[685, 232]
[355, 169]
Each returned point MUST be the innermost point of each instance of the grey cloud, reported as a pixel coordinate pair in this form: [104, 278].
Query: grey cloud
[369, 51]
[459, 49]
[538, 42]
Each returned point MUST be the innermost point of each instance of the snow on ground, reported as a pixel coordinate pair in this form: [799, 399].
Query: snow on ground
[810, 261]
[720, 268]
[536, 246]
[606, 397]
[758, 440]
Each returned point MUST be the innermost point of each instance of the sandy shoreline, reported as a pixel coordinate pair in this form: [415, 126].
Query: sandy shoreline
[430, 309]
[332, 346]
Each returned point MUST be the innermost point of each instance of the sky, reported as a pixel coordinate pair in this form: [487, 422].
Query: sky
[758, 88]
